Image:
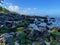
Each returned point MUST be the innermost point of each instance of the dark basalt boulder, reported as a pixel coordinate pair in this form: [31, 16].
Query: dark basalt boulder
[58, 30]
[8, 38]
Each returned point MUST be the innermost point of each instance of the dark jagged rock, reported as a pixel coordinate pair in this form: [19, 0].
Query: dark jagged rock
[7, 20]
[7, 38]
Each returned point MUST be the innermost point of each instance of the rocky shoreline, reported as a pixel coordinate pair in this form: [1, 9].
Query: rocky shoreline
[26, 30]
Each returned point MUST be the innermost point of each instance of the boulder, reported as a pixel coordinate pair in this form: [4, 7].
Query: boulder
[8, 38]
[12, 33]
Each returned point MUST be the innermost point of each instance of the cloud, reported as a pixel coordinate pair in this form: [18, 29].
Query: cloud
[13, 8]
[0, 4]
[23, 10]
[26, 11]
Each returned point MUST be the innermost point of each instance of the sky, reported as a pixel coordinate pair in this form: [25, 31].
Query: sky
[34, 7]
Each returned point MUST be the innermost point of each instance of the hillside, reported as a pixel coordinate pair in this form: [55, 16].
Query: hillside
[4, 10]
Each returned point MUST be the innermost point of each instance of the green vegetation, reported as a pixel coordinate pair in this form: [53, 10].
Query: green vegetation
[4, 31]
[56, 33]
[4, 10]
[20, 29]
